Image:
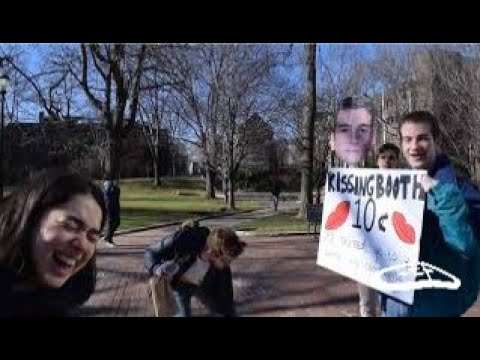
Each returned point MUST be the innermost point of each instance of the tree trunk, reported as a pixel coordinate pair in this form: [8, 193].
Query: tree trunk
[156, 165]
[174, 163]
[309, 110]
[231, 191]
[225, 189]
[209, 184]
[147, 169]
[113, 157]
[156, 176]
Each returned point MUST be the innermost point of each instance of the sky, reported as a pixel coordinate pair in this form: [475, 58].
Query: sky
[294, 73]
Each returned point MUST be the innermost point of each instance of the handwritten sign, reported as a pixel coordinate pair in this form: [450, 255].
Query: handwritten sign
[372, 220]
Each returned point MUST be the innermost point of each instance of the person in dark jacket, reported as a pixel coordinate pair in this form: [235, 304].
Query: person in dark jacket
[275, 190]
[449, 237]
[197, 263]
[111, 193]
[48, 233]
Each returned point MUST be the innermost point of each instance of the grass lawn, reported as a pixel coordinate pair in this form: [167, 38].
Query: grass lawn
[284, 221]
[143, 204]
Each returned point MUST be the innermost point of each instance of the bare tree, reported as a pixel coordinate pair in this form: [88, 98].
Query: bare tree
[110, 75]
[248, 89]
[33, 86]
[49, 85]
[343, 71]
[455, 86]
[153, 111]
[217, 88]
[309, 112]
[440, 78]
[194, 74]
[159, 107]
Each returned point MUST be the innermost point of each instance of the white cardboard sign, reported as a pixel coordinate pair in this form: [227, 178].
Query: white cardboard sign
[372, 220]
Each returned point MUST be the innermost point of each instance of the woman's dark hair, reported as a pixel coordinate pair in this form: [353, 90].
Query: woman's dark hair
[20, 215]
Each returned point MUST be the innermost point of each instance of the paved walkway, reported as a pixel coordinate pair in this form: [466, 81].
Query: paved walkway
[276, 276]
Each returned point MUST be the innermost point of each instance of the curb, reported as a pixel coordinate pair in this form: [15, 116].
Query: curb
[178, 222]
[275, 234]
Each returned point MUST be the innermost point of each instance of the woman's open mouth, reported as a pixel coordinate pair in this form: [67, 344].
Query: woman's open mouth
[64, 264]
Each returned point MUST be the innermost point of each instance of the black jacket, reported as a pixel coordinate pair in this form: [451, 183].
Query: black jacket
[183, 246]
[112, 200]
[18, 299]
[276, 190]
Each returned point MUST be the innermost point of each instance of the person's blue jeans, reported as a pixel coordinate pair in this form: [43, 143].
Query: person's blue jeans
[215, 303]
[394, 308]
[183, 296]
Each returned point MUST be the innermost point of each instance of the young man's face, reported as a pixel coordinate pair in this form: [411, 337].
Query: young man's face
[353, 137]
[418, 145]
[388, 159]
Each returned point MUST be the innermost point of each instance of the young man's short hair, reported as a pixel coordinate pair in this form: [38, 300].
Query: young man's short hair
[224, 241]
[389, 147]
[421, 117]
[357, 102]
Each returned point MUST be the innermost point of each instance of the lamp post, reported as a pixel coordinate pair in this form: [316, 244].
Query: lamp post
[4, 82]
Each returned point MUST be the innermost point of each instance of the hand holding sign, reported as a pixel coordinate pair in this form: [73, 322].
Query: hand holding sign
[428, 183]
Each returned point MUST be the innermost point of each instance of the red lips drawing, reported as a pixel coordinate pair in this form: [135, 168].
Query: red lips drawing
[404, 230]
[338, 216]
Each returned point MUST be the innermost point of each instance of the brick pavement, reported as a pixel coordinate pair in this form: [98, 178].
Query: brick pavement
[276, 276]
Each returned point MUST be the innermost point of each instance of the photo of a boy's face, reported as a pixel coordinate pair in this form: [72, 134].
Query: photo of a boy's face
[353, 136]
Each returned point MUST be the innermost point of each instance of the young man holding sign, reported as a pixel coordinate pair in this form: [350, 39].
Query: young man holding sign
[449, 238]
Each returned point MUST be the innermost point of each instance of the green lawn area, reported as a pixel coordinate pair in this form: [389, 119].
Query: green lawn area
[285, 221]
[143, 204]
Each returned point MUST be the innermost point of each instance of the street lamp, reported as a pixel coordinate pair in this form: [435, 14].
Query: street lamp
[4, 82]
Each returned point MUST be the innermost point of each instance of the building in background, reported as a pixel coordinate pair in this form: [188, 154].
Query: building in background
[81, 143]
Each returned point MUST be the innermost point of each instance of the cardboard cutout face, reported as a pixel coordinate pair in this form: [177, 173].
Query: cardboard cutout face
[353, 136]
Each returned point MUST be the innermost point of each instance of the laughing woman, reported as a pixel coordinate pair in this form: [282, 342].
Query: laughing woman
[49, 229]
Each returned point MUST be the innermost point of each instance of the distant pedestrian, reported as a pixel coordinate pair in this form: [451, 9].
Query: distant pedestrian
[275, 195]
[111, 193]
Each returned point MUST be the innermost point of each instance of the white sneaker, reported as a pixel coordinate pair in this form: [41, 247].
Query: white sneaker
[109, 244]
